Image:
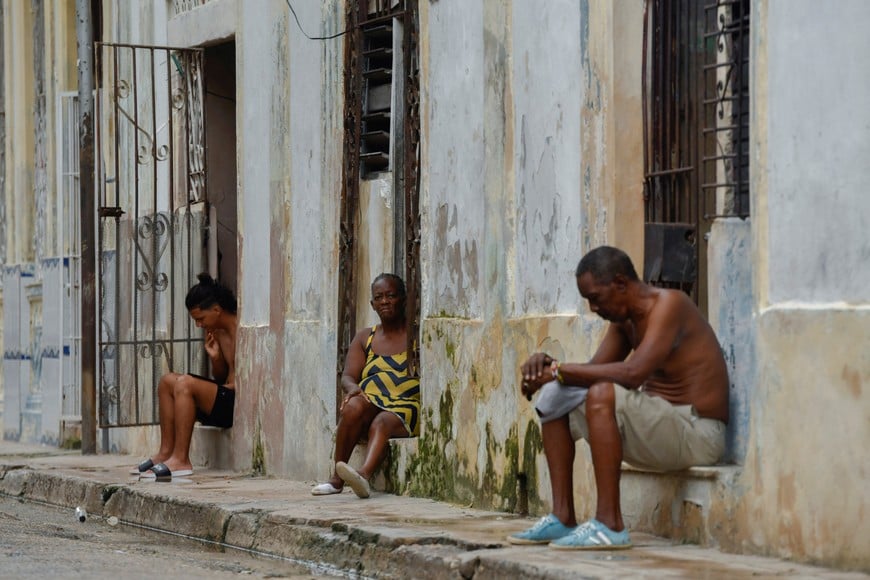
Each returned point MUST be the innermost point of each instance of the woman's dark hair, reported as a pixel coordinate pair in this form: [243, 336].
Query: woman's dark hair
[400, 284]
[605, 262]
[208, 293]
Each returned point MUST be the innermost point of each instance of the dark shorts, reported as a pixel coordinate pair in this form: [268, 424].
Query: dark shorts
[224, 403]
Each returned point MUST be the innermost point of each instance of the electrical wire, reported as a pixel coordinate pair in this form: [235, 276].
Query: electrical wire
[299, 25]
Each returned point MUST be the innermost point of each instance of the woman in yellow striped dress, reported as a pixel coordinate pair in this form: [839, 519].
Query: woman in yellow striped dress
[381, 400]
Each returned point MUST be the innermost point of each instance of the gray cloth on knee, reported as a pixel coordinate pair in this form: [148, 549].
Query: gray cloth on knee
[557, 400]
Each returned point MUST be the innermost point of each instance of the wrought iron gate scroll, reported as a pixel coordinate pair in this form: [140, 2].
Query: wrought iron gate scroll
[153, 222]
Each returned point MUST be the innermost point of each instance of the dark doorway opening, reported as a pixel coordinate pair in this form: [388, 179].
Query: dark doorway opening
[220, 138]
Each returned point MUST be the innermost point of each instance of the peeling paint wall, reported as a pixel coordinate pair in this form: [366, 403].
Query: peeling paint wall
[548, 96]
[518, 179]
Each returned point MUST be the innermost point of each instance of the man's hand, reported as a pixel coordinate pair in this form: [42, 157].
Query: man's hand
[212, 348]
[536, 373]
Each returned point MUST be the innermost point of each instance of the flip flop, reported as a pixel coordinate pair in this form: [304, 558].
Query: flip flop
[325, 489]
[162, 473]
[142, 467]
[357, 482]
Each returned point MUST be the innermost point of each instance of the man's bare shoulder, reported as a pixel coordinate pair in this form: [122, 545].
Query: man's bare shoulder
[676, 302]
[673, 296]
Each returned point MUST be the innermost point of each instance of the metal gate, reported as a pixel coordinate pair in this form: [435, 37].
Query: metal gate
[153, 222]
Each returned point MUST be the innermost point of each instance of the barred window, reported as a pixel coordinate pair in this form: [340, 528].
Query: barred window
[696, 132]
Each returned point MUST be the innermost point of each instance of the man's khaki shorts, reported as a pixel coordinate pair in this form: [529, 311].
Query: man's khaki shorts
[657, 435]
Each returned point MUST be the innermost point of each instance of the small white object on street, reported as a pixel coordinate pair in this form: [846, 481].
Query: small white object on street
[112, 520]
[81, 514]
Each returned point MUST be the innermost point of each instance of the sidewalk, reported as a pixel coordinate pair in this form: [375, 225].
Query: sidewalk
[385, 536]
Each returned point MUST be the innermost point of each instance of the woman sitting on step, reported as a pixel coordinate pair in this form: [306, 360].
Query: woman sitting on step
[382, 401]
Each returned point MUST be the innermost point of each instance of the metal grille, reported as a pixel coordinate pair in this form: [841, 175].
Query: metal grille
[726, 110]
[69, 225]
[364, 146]
[695, 103]
[153, 222]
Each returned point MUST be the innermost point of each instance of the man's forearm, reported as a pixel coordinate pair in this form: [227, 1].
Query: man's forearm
[219, 369]
[587, 374]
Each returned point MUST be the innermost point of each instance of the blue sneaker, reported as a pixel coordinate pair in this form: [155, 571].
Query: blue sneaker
[547, 529]
[593, 535]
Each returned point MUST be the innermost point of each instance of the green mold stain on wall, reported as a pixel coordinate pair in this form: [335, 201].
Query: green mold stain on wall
[500, 489]
[431, 473]
[258, 455]
[450, 351]
[533, 447]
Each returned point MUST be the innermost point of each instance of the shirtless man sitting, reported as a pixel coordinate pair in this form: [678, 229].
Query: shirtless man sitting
[663, 408]
[185, 399]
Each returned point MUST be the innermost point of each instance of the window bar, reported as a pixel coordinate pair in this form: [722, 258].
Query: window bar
[187, 80]
[154, 232]
[170, 345]
[116, 52]
[134, 234]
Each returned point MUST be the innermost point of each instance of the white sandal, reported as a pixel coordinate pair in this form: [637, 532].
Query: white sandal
[351, 476]
[324, 489]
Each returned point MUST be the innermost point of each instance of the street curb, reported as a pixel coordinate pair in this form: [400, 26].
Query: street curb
[385, 537]
[66, 491]
[367, 551]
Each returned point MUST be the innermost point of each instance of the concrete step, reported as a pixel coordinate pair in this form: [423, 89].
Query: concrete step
[210, 447]
[690, 506]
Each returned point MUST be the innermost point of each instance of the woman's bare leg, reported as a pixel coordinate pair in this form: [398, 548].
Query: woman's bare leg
[189, 394]
[385, 426]
[166, 398]
[356, 416]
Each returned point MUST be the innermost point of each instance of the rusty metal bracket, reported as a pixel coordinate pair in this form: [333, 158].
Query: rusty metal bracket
[111, 212]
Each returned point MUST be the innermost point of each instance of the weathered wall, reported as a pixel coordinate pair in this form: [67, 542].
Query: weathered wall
[519, 150]
[730, 307]
[803, 493]
[817, 152]
[36, 67]
[314, 147]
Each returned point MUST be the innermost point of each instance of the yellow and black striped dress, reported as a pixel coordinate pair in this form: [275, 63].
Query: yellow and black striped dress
[386, 383]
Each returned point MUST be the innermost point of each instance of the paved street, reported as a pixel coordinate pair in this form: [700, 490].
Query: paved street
[39, 541]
